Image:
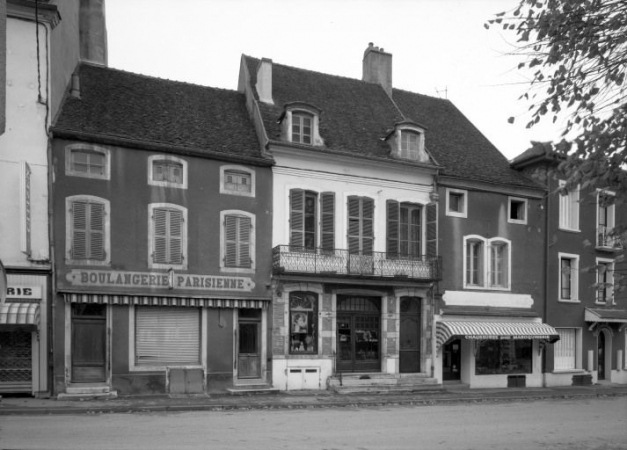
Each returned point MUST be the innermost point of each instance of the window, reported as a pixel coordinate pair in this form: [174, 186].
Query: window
[167, 171]
[166, 336]
[605, 220]
[517, 210]
[605, 281]
[407, 141]
[302, 124]
[569, 277]
[360, 225]
[237, 252]
[237, 180]
[565, 350]
[168, 236]
[456, 203]
[404, 229]
[304, 221]
[303, 323]
[569, 208]
[487, 263]
[410, 145]
[87, 161]
[87, 230]
[503, 356]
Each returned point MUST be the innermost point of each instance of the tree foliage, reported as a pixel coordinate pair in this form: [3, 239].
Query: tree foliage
[576, 52]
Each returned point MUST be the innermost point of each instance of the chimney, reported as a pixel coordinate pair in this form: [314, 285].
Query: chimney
[264, 81]
[93, 32]
[377, 67]
[75, 87]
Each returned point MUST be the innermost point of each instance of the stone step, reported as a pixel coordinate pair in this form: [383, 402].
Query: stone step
[383, 389]
[417, 379]
[259, 389]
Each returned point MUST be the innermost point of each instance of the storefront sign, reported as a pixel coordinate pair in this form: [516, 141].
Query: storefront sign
[26, 292]
[120, 279]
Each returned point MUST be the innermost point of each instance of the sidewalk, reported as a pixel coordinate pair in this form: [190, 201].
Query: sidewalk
[299, 399]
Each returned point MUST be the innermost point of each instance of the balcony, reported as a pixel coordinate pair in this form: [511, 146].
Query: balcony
[606, 241]
[289, 259]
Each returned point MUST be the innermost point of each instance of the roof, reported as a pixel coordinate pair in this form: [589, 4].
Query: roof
[606, 315]
[357, 115]
[134, 109]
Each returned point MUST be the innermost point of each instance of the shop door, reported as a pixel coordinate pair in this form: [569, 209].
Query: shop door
[601, 357]
[358, 333]
[89, 330]
[409, 349]
[249, 344]
[451, 360]
[16, 360]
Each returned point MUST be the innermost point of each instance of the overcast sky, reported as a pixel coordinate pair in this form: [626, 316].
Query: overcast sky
[439, 47]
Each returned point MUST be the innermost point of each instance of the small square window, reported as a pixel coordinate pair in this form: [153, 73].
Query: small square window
[456, 203]
[517, 210]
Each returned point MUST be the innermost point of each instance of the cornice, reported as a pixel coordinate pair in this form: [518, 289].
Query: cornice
[25, 10]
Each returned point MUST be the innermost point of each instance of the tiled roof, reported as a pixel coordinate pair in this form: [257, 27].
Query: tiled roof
[120, 105]
[356, 115]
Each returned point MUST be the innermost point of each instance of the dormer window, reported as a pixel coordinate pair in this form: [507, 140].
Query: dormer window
[300, 124]
[301, 127]
[410, 145]
[407, 141]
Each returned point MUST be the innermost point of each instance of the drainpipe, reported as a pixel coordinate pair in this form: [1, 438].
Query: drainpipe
[546, 271]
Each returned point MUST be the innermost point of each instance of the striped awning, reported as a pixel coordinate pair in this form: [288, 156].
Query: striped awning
[19, 313]
[446, 330]
[143, 300]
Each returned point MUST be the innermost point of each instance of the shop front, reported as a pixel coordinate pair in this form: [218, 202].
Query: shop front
[608, 328]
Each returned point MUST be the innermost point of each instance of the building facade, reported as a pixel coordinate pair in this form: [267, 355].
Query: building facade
[162, 236]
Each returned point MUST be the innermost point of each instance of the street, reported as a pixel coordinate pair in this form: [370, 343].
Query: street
[599, 424]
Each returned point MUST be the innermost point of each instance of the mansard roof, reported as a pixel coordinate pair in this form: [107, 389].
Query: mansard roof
[123, 108]
[357, 116]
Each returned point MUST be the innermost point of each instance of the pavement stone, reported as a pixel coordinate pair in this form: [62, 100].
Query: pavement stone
[16, 405]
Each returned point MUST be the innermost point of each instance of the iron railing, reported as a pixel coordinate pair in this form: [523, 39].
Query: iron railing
[606, 240]
[340, 262]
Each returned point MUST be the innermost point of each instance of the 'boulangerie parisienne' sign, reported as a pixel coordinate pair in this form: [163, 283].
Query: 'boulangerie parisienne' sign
[122, 279]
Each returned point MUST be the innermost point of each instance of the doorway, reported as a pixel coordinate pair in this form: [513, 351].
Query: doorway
[601, 356]
[249, 344]
[358, 334]
[451, 360]
[89, 343]
[410, 330]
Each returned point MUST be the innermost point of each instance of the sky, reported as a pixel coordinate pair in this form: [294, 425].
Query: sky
[439, 47]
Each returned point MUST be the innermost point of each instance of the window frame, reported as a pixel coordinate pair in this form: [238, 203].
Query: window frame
[485, 261]
[301, 115]
[69, 231]
[251, 241]
[395, 229]
[366, 233]
[311, 324]
[577, 342]
[87, 148]
[604, 229]
[609, 290]
[525, 208]
[225, 169]
[569, 208]
[574, 278]
[464, 195]
[152, 236]
[152, 159]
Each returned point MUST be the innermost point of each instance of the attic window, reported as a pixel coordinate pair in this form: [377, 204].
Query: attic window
[302, 124]
[410, 145]
[407, 141]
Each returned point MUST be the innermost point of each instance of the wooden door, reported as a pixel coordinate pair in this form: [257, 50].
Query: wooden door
[249, 344]
[451, 360]
[89, 344]
[410, 330]
[358, 331]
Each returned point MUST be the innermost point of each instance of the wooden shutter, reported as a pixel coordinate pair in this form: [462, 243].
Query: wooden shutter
[167, 336]
[392, 241]
[327, 206]
[432, 229]
[244, 225]
[79, 229]
[88, 230]
[237, 230]
[360, 225]
[354, 229]
[297, 218]
[168, 236]
[96, 231]
[368, 225]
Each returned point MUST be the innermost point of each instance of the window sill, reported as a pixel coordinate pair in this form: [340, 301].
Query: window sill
[567, 371]
[87, 263]
[570, 230]
[568, 301]
[164, 368]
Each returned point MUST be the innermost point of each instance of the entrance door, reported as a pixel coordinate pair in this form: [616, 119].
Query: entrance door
[358, 332]
[451, 360]
[601, 356]
[409, 349]
[249, 344]
[16, 361]
[89, 344]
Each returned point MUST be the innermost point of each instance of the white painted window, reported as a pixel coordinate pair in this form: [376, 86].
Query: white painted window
[517, 210]
[605, 220]
[237, 180]
[302, 127]
[456, 203]
[167, 171]
[569, 277]
[569, 208]
[605, 281]
[487, 263]
[167, 236]
[237, 249]
[87, 225]
[89, 161]
[566, 350]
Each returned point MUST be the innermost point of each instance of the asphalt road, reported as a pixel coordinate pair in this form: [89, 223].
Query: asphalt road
[599, 424]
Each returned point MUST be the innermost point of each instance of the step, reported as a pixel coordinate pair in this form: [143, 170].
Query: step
[380, 389]
[378, 379]
[252, 390]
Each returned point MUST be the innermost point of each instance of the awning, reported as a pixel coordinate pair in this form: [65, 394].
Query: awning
[142, 300]
[606, 315]
[19, 313]
[445, 330]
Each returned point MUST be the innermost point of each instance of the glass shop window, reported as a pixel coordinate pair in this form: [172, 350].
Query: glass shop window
[503, 357]
[303, 323]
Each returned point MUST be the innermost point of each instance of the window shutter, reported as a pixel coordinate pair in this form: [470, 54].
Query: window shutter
[327, 205]
[244, 259]
[354, 235]
[175, 255]
[159, 254]
[432, 229]
[368, 226]
[392, 229]
[96, 231]
[360, 225]
[297, 217]
[230, 239]
[79, 229]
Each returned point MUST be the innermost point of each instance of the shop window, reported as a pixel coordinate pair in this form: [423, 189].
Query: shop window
[303, 323]
[503, 356]
[456, 203]
[167, 171]
[84, 160]
[87, 230]
[237, 180]
[569, 208]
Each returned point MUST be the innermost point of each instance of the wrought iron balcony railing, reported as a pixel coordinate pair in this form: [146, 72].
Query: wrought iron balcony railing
[607, 241]
[318, 261]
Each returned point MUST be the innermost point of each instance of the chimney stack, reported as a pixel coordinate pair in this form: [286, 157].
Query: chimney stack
[264, 81]
[377, 67]
[93, 32]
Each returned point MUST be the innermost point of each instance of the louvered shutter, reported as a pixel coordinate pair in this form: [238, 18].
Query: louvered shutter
[230, 239]
[392, 242]
[244, 225]
[368, 226]
[160, 251]
[168, 236]
[432, 229]
[237, 236]
[297, 218]
[167, 336]
[327, 206]
[175, 235]
[96, 231]
[360, 225]
[354, 229]
[79, 213]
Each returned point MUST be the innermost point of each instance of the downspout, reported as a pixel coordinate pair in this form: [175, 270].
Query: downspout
[546, 271]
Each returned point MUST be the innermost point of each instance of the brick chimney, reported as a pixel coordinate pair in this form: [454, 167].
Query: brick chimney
[377, 67]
